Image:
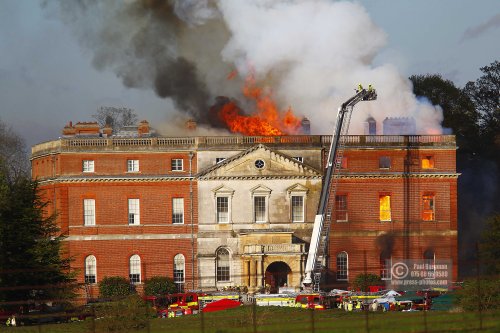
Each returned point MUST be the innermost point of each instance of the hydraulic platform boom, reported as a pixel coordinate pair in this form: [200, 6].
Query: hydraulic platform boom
[321, 229]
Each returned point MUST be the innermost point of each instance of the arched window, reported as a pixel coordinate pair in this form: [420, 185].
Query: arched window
[135, 269]
[179, 266]
[385, 265]
[342, 266]
[90, 269]
[223, 274]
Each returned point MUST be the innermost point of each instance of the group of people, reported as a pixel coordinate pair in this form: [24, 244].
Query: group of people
[11, 321]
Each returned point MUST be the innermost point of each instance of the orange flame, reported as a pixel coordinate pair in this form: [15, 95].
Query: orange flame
[267, 118]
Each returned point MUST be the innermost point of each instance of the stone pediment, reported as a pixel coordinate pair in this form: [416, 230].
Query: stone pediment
[259, 162]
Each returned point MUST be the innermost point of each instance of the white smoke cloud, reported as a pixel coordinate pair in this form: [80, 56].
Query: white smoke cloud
[316, 52]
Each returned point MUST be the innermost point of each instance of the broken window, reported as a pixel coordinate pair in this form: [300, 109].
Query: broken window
[428, 212]
[428, 162]
[385, 207]
[385, 265]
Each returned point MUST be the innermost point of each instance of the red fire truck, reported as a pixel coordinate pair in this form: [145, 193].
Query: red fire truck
[315, 301]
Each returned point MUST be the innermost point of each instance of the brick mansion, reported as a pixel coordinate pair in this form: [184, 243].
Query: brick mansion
[223, 211]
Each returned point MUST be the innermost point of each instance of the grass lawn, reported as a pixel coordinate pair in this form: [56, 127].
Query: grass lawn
[277, 319]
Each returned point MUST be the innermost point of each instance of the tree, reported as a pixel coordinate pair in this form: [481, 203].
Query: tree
[158, 285]
[489, 248]
[458, 110]
[478, 294]
[13, 154]
[115, 117]
[485, 94]
[32, 265]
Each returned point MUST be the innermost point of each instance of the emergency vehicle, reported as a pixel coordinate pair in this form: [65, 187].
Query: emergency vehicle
[188, 303]
[315, 301]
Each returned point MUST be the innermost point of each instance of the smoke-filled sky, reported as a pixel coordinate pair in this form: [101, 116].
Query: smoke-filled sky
[61, 59]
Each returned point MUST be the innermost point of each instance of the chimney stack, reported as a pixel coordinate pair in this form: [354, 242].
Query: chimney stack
[306, 126]
[370, 126]
[191, 124]
[143, 128]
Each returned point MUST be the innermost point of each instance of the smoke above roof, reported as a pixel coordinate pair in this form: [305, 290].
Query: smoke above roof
[310, 54]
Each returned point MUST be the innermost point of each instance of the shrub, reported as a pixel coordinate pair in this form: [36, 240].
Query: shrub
[472, 298]
[114, 286]
[126, 315]
[158, 285]
[362, 281]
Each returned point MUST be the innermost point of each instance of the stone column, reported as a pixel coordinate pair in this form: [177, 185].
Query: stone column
[246, 273]
[253, 273]
[259, 278]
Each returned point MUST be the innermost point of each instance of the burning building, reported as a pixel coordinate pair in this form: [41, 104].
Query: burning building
[213, 212]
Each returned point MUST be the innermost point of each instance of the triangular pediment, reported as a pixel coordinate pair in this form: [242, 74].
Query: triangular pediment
[297, 188]
[259, 161]
[223, 190]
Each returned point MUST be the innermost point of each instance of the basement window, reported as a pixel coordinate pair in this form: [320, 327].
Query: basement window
[299, 158]
[219, 159]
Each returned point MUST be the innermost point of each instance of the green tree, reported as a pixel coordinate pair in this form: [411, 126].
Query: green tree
[489, 247]
[485, 94]
[459, 111]
[129, 314]
[478, 294]
[32, 264]
[159, 285]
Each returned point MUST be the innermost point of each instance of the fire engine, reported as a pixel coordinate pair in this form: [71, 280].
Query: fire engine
[315, 301]
[181, 304]
[317, 250]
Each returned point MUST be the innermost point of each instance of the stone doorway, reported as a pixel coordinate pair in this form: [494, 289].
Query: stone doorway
[277, 275]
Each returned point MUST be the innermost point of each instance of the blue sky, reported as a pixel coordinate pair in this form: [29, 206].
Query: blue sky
[46, 77]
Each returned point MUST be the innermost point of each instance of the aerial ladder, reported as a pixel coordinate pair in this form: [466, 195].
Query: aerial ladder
[316, 258]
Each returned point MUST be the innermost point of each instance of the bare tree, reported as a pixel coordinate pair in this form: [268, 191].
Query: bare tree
[115, 117]
[13, 154]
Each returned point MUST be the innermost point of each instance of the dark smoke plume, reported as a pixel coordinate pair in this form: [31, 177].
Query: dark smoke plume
[143, 43]
[385, 243]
